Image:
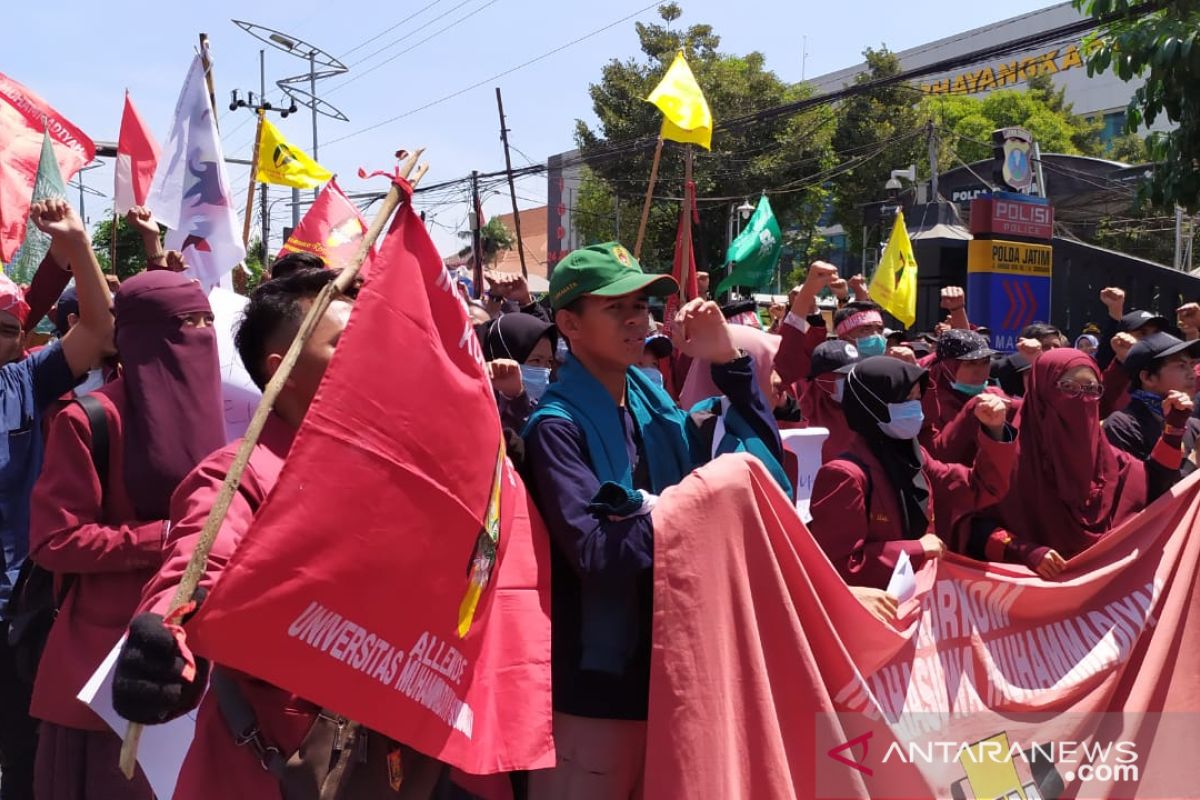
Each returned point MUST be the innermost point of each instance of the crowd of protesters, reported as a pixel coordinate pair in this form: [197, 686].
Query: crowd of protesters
[115, 451]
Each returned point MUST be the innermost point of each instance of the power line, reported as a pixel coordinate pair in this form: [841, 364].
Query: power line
[495, 77]
[386, 31]
[409, 49]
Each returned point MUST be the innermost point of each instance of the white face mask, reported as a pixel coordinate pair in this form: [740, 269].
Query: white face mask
[905, 419]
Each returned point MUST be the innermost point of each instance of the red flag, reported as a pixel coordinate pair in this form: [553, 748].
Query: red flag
[690, 286]
[24, 119]
[371, 583]
[137, 156]
[332, 229]
[758, 639]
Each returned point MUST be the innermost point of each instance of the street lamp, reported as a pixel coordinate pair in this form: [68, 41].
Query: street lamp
[745, 209]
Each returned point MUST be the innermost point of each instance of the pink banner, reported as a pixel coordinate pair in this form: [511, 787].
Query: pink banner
[769, 679]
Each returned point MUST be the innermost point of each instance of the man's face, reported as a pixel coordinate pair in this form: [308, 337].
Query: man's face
[1175, 375]
[12, 338]
[610, 331]
[1052, 342]
[1145, 330]
[973, 373]
[317, 352]
[862, 332]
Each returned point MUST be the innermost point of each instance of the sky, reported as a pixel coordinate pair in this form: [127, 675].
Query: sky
[403, 56]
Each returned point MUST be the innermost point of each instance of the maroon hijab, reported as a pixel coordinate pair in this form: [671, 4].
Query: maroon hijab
[1070, 481]
[175, 415]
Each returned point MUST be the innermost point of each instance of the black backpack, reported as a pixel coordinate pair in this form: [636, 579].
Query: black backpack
[33, 605]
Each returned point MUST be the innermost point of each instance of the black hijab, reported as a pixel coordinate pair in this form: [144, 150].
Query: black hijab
[513, 336]
[871, 385]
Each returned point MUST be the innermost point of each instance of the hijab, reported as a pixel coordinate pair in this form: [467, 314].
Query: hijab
[175, 416]
[513, 336]
[870, 386]
[1069, 478]
[758, 344]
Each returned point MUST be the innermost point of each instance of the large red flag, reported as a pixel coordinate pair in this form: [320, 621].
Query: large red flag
[689, 285]
[137, 156]
[24, 119]
[399, 573]
[769, 679]
[332, 229]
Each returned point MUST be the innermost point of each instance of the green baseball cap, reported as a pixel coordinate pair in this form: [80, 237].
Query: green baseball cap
[606, 270]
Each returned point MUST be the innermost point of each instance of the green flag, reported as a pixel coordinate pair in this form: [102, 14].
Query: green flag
[755, 252]
[49, 185]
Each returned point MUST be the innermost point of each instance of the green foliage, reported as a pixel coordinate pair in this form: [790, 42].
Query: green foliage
[131, 256]
[1162, 48]
[494, 239]
[781, 154]
[1130, 149]
[881, 129]
[970, 120]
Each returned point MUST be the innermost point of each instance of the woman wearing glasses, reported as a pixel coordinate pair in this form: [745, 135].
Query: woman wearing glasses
[1071, 486]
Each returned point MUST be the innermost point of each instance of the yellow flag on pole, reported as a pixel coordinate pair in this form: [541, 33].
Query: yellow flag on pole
[894, 285]
[686, 116]
[282, 163]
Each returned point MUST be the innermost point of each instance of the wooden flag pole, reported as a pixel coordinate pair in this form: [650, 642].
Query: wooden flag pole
[199, 560]
[641, 236]
[253, 178]
[686, 261]
[112, 244]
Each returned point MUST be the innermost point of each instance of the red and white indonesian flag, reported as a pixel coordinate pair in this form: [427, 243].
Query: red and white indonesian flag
[137, 156]
[190, 192]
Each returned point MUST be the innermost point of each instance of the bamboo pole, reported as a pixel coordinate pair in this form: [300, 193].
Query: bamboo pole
[253, 178]
[641, 236]
[686, 262]
[112, 242]
[216, 516]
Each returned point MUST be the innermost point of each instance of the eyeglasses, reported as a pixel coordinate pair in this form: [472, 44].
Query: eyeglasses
[1076, 390]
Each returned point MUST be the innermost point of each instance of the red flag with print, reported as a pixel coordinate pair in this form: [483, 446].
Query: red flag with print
[689, 285]
[332, 229]
[399, 573]
[25, 119]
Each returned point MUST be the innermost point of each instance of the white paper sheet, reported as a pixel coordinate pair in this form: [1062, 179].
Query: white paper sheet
[163, 747]
[903, 584]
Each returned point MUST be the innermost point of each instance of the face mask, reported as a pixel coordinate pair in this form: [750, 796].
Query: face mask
[969, 389]
[873, 345]
[536, 380]
[907, 419]
[654, 374]
[839, 387]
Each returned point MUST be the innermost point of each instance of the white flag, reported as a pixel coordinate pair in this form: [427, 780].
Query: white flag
[190, 193]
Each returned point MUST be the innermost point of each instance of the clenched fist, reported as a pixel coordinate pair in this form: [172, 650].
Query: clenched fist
[506, 377]
[1114, 300]
[991, 411]
[1122, 343]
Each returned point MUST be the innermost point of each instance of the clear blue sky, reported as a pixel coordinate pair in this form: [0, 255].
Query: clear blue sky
[81, 57]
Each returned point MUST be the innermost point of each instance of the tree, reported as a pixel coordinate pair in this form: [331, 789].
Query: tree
[1130, 149]
[784, 155]
[494, 239]
[877, 131]
[1040, 108]
[1162, 48]
[131, 255]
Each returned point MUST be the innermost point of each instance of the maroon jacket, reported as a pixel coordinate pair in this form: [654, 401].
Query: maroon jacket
[951, 430]
[215, 766]
[864, 543]
[79, 528]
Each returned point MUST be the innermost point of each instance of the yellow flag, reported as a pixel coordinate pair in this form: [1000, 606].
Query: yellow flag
[686, 116]
[282, 163]
[894, 285]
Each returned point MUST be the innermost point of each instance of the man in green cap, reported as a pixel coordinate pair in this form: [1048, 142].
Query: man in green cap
[602, 444]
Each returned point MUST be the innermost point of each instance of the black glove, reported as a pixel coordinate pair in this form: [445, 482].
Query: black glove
[148, 682]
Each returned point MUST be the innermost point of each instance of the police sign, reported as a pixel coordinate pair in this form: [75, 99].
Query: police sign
[1007, 214]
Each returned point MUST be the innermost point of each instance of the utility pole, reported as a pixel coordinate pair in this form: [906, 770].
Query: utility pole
[512, 189]
[933, 162]
[476, 247]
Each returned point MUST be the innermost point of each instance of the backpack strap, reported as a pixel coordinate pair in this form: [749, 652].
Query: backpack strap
[98, 422]
[858, 462]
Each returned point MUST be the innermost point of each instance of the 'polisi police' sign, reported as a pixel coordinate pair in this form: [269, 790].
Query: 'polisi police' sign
[1008, 214]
